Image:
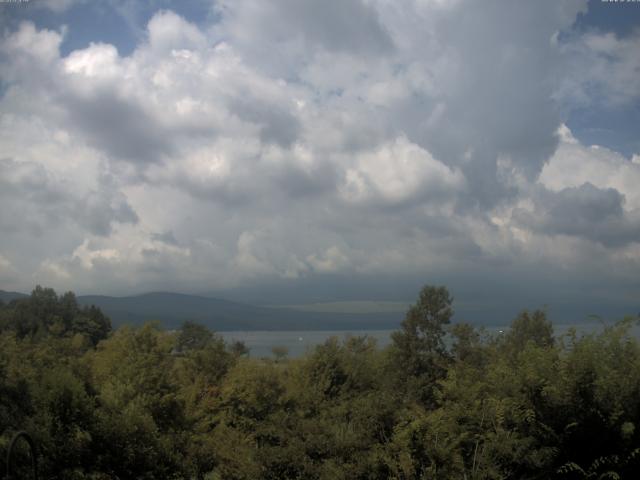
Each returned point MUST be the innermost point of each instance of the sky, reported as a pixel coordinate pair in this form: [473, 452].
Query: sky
[298, 151]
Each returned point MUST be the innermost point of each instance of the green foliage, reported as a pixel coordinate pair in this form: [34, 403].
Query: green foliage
[44, 314]
[146, 403]
[419, 354]
[529, 328]
[193, 336]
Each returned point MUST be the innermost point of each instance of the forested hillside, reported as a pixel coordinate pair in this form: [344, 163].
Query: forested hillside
[171, 309]
[221, 315]
[153, 404]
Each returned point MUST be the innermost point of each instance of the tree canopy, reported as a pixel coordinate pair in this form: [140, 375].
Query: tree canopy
[442, 401]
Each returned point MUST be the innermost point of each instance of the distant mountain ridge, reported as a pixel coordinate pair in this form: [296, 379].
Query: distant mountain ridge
[6, 297]
[171, 309]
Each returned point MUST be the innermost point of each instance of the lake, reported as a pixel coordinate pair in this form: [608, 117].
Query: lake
[298, 342]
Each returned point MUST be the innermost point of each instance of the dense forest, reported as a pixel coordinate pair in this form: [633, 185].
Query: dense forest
[443, 401]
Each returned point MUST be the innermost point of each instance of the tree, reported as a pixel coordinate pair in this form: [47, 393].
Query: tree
[529, 328]
[280, 353]
[418, 349]
[193, 336]
[91, 322]
[239, 349]
[44, 314]
[466, 343]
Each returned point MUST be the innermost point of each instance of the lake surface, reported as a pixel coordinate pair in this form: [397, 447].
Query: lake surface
[299, 342]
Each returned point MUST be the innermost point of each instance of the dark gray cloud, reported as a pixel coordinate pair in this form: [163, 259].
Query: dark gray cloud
[585, 211]
[29, 198]
[166, 237]
[276, 123]
[98, 211]
[340, 26]
[37, 202]
[349, 26]
[118, 126]
[296, 181]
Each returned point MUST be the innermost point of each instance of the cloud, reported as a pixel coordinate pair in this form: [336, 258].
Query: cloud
[587, 192]
[400, 172]
[9, 276]
[119, 127]
[585, 211]
[574, 164]
[339, 26]
[41, 201]
[275, 123]
[330, 261]
[604, 70]
[28, 51]
[295, 140]
[168, 31]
